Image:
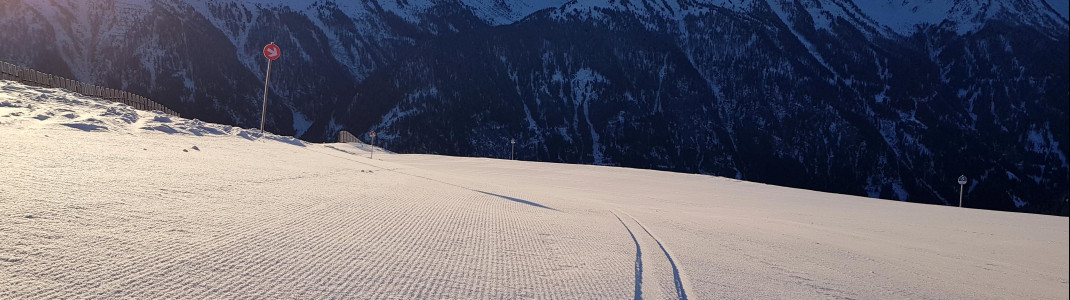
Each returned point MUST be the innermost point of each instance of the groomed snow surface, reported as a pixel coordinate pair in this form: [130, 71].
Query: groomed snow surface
[102, 201]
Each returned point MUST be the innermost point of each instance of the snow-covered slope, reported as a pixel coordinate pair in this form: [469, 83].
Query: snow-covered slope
[102, 201]
[1061, 7]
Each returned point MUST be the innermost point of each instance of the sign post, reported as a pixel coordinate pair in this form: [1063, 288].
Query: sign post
[962, 183]
[271, 52]
[512, 151]
[372, 153]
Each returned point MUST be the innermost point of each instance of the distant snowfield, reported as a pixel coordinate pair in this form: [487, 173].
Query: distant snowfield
[102, 201]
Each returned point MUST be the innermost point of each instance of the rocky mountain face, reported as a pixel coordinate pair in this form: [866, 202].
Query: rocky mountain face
[888, 99]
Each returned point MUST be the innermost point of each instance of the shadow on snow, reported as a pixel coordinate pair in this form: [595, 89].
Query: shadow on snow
[518, 200]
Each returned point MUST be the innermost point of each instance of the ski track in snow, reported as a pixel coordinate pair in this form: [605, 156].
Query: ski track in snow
[668, 285]
[102, 201]
[638, 260]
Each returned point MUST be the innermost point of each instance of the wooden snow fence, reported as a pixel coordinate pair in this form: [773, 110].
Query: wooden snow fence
[33, 77]
[346, 137]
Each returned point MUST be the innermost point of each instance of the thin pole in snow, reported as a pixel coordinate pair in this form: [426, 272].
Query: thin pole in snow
[263, 112]
[371, 154]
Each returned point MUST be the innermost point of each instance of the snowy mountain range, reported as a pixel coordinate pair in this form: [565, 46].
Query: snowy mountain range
[889, 99]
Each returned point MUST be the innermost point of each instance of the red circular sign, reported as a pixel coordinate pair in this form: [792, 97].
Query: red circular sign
[272, 52]
[372, 133]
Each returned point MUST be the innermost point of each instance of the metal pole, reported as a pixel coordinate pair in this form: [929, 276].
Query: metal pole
[512, 150]
[960, 194]
[371, 155]
[263, 113]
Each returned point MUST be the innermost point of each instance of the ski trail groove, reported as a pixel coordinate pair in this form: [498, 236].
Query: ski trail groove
[681, 294]
[638, 261]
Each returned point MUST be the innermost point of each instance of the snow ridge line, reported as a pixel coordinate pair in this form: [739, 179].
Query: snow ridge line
[517, 200]
[638, 260]
[677, 281]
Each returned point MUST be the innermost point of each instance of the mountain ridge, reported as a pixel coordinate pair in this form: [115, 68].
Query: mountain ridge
[823, 95]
